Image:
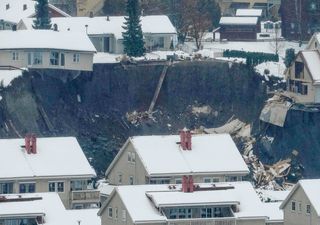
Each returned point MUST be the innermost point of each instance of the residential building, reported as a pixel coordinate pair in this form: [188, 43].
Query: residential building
[106, 32]
[42, 208]
[269, 7]
[220, 203]
[303, 77]
[37, 165]
[164, 159]
[302, 204]
[300, 19]
[79, 7]
[239, 28]
[46, 49]
[12, 11]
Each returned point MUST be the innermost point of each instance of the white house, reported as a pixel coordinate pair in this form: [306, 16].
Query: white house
[220, 203]
[106, 32]
[42, 208]
[302, 205]
[35, 165]
[12, 11]
[164, 159]
[314, 43]
[46, 49]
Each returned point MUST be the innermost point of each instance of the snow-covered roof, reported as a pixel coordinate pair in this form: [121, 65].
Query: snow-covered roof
[48, 205]
[249, 12]
[273, 212]
[45, 39]
[56, 157]
[141, 201]
[238, 20]
[109, 25]
[105, 188]
[15, 10]
[311, 189]
[210, 154]
[312, 61]
[272, 195]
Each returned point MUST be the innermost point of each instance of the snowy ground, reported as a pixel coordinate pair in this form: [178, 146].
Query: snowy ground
[6, 76]
[213, 49]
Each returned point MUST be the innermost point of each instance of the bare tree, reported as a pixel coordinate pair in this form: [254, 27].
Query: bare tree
[196, 18]
[277, 44]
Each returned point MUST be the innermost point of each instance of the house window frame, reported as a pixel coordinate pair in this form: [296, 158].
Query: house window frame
[308, 209]
[15, 56]
[293, 206]
[178, 181]
[76, 58]
[207, 180]
[56, 186]
[110, 212]
[131, 180]
[8, 186]
[27, 187]
[124, 215]
[54, 58]
[116, 213]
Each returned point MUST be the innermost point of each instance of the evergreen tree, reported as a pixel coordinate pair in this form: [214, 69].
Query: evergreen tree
[132, 37]
[289, 58]
[42, 20]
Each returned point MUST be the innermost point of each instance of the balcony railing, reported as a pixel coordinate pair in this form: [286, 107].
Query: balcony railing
[203, 221]
[85, 196]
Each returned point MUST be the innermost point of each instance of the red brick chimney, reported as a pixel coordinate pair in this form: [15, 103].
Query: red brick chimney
[34, 144]
[187, 184]
[185, 139]
[27, 143]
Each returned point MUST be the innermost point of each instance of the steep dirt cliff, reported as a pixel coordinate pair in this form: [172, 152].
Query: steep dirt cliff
[93, 106]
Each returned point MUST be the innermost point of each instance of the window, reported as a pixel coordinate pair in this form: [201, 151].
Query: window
[15, 56]
[173, 213]
[131, 157]
[131, 180]
[37, 58]
[78, 185]
[178, 181]
[308, 209]
[54, 58]
[56, 186]
[62, 63]
[299, 207]
[116, 213]
[120, 178]
[215, 180]
[299, 66]
[34, 58]
[110, 212]
[6, 188]
[27, 188]
[304, 89]
[124, 215]
[206, 180]
[76, 57]
[293, 206]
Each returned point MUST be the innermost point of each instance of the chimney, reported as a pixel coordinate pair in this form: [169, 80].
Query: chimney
[91, 14]
[34, 144]
[27, 143]
[187, 184]
[14, 27]
[185, 139]
[25, 7]
[7, 6]
[108, 18]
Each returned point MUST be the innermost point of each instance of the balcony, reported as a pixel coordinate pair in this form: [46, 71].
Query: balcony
[85, 196]
[203, 221]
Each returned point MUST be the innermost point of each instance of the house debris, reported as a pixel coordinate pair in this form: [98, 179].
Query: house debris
[231, 127]
[275, 110]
